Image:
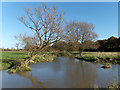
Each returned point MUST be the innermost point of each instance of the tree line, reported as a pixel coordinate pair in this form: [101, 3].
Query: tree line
[111, 44]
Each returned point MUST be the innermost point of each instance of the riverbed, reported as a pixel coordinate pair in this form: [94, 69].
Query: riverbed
[62, 73]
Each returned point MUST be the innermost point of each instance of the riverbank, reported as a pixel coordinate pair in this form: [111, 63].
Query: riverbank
[114, 86]
[99, 57]
[15, 61]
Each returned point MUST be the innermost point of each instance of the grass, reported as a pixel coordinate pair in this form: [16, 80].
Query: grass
[4, 66]
[100, 57]
[106, 65]
[62, 53]
[114, 86]
[20, 68]
[44, 57]
[49, 56]
[10, 59]
[13, 56]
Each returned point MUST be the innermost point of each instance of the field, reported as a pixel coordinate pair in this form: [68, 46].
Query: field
[9, 57]
[13, 55]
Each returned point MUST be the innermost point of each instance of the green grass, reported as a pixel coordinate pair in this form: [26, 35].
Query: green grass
[10, 59]
[114, 86]
[20, 68]
[6, 56]
[63, 54]
[100, 57]
[4, 66]
[106, 65]
[44, 57]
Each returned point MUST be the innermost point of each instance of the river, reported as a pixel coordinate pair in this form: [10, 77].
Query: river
[62, 73]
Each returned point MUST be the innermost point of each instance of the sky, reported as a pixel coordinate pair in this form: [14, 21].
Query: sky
[103, 15]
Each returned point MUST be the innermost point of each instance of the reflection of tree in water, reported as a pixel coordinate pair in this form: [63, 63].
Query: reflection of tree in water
[36, 83]
[80, 74]
[74, 74]
[59, 64]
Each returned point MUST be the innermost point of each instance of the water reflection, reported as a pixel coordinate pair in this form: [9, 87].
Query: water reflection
[35, 82]
[63, 72]
[68, 73]
[80, 74]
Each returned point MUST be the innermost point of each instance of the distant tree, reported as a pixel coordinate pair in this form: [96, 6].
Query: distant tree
[73, 46]
[103, 45]
[118, 42]
[80, 32]
[17, 46]
[110, 44]
[28, 43]
[61, 45]
[47, 25]
[91, 45]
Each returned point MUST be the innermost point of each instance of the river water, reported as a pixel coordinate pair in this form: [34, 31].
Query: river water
[62, 73]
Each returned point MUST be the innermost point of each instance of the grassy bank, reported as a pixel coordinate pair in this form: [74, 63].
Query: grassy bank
[11, 59]
[99, 57]
[114, 86]
[15, 60]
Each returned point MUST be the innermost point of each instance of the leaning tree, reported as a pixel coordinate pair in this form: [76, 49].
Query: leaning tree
[47, 25]
[80, 32]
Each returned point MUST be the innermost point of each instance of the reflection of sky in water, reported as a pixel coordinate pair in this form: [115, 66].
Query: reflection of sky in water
[108, 75]
[14, 80]
[63, 73]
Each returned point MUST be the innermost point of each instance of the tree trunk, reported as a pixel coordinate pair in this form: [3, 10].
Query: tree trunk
[81, 52]
[28, 61]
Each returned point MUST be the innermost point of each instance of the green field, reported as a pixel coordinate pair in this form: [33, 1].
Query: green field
[13, 56]
[9, 57]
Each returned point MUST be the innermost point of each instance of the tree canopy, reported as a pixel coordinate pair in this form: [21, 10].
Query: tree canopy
[47, 25]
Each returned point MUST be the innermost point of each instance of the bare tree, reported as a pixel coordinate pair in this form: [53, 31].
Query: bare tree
[47, 25]
[28, 43]
[80, 32]
[17, 46]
